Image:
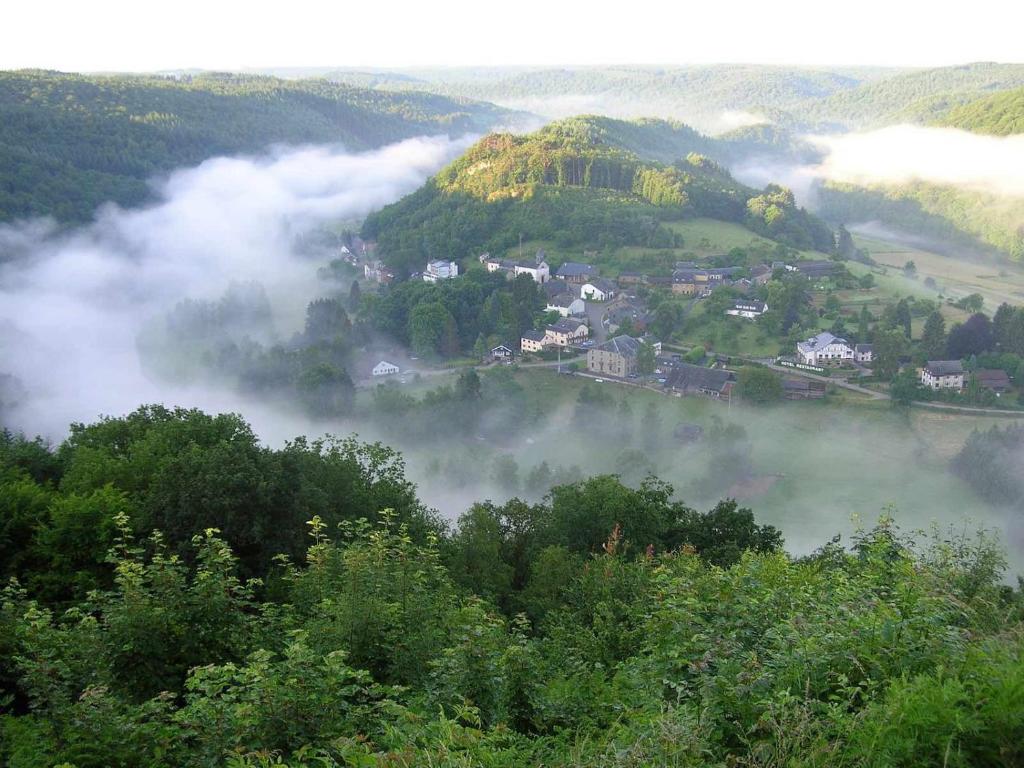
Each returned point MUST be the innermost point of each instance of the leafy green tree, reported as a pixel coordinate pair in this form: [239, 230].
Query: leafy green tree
[887, 349]
[972, 337]
[645, 359]
[429, 328]
[904, 319]
[864, 324]
[933, 338]
[759, 385]
[905, 388]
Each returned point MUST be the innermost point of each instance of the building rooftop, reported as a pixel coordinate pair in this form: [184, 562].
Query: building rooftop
[686, 376]
[623, 345]
[576, 269]
[533, 335]
[565, 325]
[820, 341]
[944, 367]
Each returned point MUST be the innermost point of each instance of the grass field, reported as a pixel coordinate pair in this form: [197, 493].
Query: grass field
[701, 238]
[954, 277]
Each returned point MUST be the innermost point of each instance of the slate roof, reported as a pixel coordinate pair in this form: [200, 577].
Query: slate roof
[685, 376]
[576, 269]
[993, 378]
[944, 367]
[602, 284]
[623, 345]
[534, 335]
[565, 325]
[820, 341]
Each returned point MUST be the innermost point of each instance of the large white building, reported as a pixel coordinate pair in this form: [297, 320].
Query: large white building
[943, 374]
[824, 349]
[440, 270]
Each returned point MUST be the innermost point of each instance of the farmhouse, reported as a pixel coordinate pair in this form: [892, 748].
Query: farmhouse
[686, 379]
[748, 308]
[577, 273]
[616, 357]
[533, 341]
[384, 368]
[566, 304]
[537, 269]
[943, 374]
[597, 289]
[994, 379]
[566, 332]
[816, 269]
[824, 349]
[440, 270]
[863, 353]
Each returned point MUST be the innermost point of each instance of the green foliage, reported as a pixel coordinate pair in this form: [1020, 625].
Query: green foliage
[971, 219]
[758, 385]
[1000, 114]
[71, 142]
[607, 625]
[990, 463]
[577, 183]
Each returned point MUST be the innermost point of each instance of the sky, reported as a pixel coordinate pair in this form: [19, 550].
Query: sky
[125, 35]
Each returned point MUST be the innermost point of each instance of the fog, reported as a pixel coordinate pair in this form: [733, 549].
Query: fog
[905, 153]
[72, 303]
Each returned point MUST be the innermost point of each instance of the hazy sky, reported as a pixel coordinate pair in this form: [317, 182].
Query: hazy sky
[228, 34]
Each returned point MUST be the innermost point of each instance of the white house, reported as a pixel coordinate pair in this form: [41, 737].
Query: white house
[748, 308]
[943, 374]
[502, 352]
[863, 353]
[824, 349]
[539, 270]
[566, 304]
[597, 289]
[384, 368]
[440, 270]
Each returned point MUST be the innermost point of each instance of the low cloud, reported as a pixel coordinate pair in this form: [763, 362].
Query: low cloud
[906, 153]
[72, 303]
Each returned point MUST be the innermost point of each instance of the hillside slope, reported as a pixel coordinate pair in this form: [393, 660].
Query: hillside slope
[581, 184]
[70, 142]
[1000, 114]
[918, 96]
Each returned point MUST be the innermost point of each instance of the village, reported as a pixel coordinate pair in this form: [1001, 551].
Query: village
[600, 327]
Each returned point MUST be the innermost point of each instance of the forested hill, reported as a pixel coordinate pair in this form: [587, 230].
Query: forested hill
[583, 183]
[69, 142]
[1000, 114]
[920, 96]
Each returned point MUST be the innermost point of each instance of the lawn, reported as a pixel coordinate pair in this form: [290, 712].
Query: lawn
[709, 237]
[701, 238]
[954, 277]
